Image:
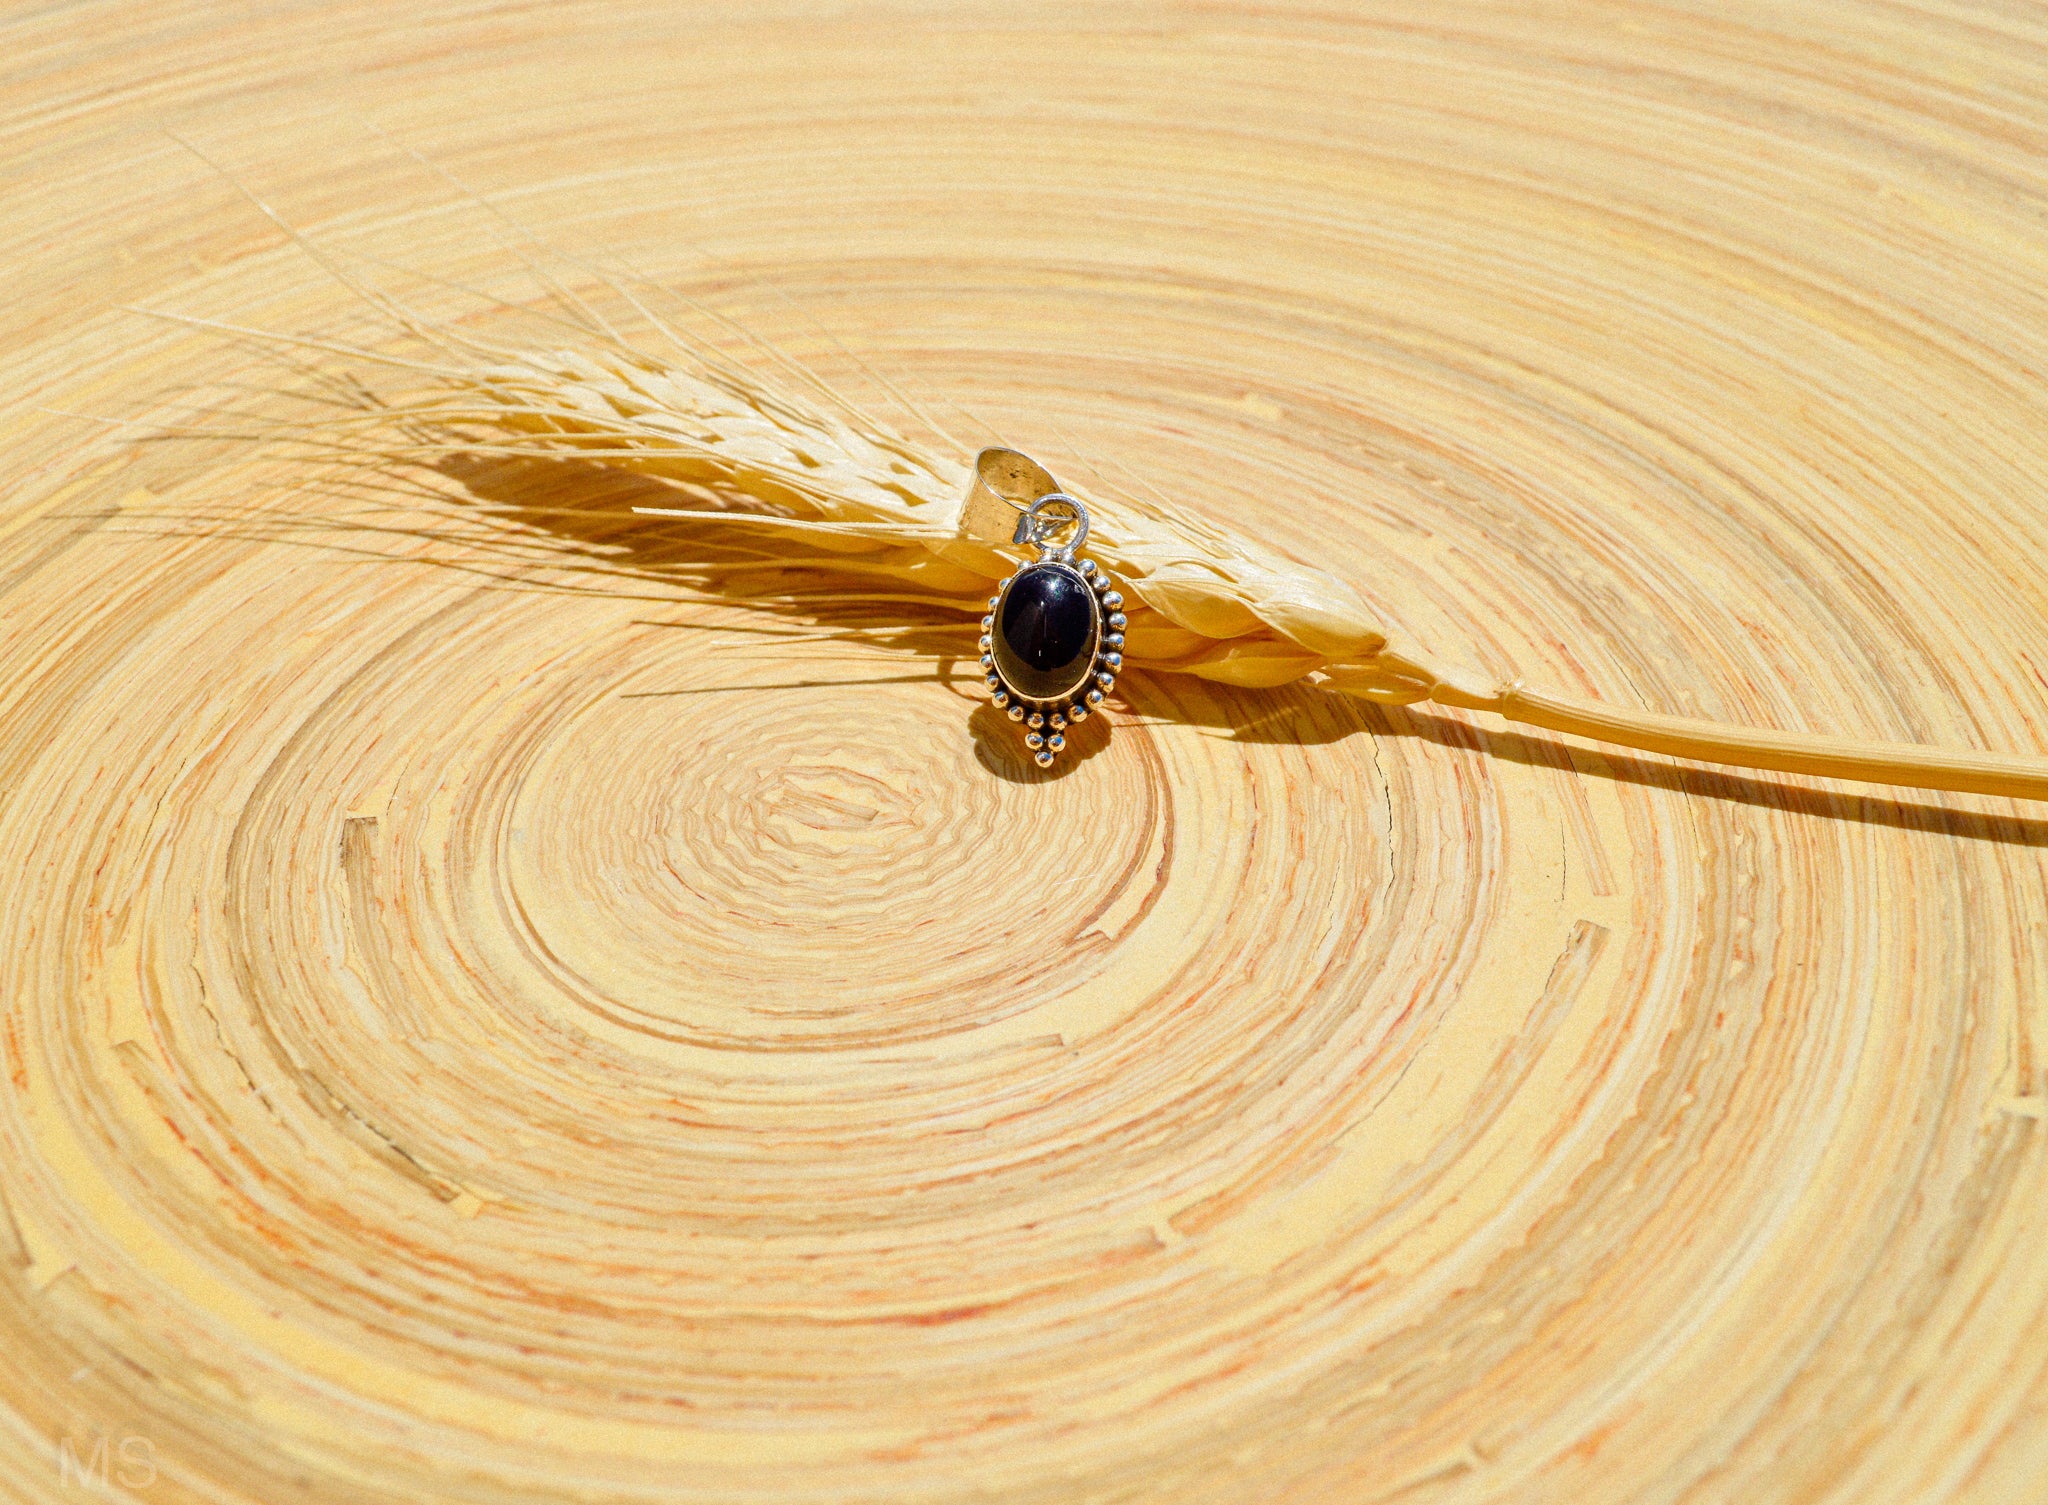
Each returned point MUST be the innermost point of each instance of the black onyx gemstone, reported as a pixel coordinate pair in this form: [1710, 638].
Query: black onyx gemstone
[1046, 631]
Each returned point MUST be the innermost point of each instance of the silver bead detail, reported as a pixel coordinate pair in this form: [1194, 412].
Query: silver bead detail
[1116, 622]
[988, 623]
[993, 602]
[1033, 740]
[993, 681]
[1094, 698]
[1036, 720]
[1078, 713]
[1088, 568]
[1114, 640]
[987, 642]
[1114, 660]
[988, 662]
[1016, 713]
[1001, 698]
[1114, 600]
[1055, 742]
[1106, 680]
[1043, 760]
[1059, 722]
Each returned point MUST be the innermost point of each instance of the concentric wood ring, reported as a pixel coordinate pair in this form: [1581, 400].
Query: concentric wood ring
[489, 1013]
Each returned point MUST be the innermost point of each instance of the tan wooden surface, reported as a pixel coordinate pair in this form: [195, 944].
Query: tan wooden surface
[483, 1023]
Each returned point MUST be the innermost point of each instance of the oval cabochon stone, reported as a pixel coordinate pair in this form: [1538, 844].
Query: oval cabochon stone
[1046, 632]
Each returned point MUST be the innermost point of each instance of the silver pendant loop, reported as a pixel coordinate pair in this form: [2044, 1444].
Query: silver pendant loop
[1037, 530]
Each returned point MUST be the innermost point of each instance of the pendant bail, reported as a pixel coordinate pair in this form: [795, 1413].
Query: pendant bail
[1004, 483]
[1037, 530]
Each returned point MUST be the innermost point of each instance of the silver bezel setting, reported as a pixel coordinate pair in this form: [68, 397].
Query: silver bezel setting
[1049, 719]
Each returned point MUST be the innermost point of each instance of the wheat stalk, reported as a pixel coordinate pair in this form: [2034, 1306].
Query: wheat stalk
[796, 459]
[1202, 600]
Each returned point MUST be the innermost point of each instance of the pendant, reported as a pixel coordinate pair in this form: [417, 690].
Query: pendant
[1053, 639]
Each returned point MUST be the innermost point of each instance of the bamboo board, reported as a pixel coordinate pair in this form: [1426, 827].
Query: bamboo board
[481, 1025]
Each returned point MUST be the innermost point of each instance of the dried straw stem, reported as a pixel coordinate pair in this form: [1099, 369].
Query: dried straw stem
[1203, 600]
